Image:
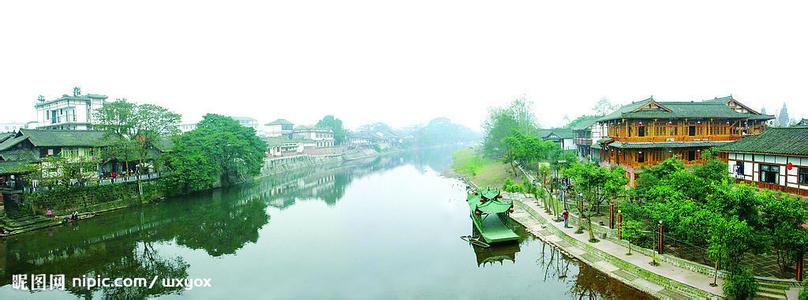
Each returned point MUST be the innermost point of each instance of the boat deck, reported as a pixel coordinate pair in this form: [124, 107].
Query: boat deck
[495, 231]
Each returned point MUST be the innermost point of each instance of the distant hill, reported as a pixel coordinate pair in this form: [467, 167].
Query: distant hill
[442, 131]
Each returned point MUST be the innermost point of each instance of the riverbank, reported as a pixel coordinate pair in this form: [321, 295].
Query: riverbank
[673, 278]
[469, 164]
[88, 202]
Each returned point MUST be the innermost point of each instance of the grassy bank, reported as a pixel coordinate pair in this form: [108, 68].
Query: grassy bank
[469, 163]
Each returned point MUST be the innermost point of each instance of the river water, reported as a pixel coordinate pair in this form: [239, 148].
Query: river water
[383, 228]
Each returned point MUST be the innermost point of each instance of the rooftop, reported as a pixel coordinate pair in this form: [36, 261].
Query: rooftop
[711, 108]
[778, 140]
[563, 133]
[280, 122]
[76, 96]
[58, 138]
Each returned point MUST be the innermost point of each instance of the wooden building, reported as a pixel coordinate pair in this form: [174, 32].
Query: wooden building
[649, 131]
[777, 159]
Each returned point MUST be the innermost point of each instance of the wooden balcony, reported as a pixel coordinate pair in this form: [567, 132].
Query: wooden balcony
[658, 139]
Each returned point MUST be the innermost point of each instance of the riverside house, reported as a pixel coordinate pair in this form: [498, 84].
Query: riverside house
[776, 159]
[563, 136]
[29, 147]
[586, 133]
[646, 132]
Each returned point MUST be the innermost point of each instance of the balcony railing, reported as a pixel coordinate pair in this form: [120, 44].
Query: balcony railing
[660, 139]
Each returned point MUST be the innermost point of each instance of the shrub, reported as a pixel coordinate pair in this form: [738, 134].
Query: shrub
[740, 284]
[509, 186]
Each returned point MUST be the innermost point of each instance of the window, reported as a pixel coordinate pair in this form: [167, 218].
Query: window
[739, 168]
[803, 175]
[640, 157]
[769, 173]
[691, 155]
[691, 130]
[641, 131]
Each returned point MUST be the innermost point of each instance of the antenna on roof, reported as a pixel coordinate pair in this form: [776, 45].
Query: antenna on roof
[40, 98]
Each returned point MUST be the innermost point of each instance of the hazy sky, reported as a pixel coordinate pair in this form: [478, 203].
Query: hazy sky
[402, 62]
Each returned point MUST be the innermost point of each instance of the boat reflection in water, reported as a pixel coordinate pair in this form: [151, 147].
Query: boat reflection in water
[496, 254]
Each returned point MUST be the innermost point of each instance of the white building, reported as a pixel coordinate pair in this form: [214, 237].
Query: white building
[76, 112]
[185, 127]
[247, 122]
[776, 159]
[316, 137]
[277, 128]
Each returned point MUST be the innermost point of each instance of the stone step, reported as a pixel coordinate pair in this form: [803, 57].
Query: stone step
[771, 290]
[766, 296]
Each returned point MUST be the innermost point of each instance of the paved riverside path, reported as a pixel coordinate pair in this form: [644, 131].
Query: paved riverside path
[634, 270]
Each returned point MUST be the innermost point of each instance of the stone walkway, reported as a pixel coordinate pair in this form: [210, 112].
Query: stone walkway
[664, 281]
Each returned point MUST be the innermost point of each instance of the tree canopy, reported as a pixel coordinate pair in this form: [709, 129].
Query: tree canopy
[219, 150]
[335, 125]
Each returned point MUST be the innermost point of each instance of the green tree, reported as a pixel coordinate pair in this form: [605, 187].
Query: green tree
[142, 125]
[218, 151]
[597, 184]
[740, 283]
[782, 221]
[502, 121]
[335, 125]
[631, 231]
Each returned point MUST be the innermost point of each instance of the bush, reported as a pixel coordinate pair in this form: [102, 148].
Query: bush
[804, 290]
[740, 283]
[512, 187]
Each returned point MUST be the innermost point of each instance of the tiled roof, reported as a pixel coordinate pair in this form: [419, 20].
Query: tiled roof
[5, 135]
[586, 122]
[280, 122]
[19, 155]
[14, 167]
[779, 140]
[58, 138]
[564, 133]
[66, 138]
[648, 145]
[712, 108]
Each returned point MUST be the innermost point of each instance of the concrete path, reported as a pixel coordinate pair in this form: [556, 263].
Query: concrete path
[639, 273]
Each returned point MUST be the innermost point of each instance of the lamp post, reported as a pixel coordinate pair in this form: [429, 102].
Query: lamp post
[660, 243]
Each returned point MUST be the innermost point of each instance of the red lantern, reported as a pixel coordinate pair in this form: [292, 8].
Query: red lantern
[477, 212]
[499, 196]
[510, 210]
[482, 200]
[789, 166]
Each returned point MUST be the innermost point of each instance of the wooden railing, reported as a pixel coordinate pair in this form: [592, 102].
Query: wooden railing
[658, 139]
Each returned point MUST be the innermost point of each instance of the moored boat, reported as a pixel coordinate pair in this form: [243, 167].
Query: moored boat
[490, 213]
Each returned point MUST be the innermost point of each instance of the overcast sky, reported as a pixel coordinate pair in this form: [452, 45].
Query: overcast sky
[401, 62]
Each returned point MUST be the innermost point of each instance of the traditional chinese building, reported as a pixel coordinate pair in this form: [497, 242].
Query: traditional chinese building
[563, 136]
[649, 131]
[776, 159]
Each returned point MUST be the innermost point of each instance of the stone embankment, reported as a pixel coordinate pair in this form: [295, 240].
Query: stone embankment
[672, 278]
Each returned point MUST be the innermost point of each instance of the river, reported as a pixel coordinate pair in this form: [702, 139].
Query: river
[382, 228]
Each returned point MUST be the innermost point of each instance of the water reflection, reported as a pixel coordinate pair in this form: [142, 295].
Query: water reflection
[306, 227]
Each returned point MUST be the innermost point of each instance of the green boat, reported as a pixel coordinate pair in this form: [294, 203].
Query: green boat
[490, 215]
